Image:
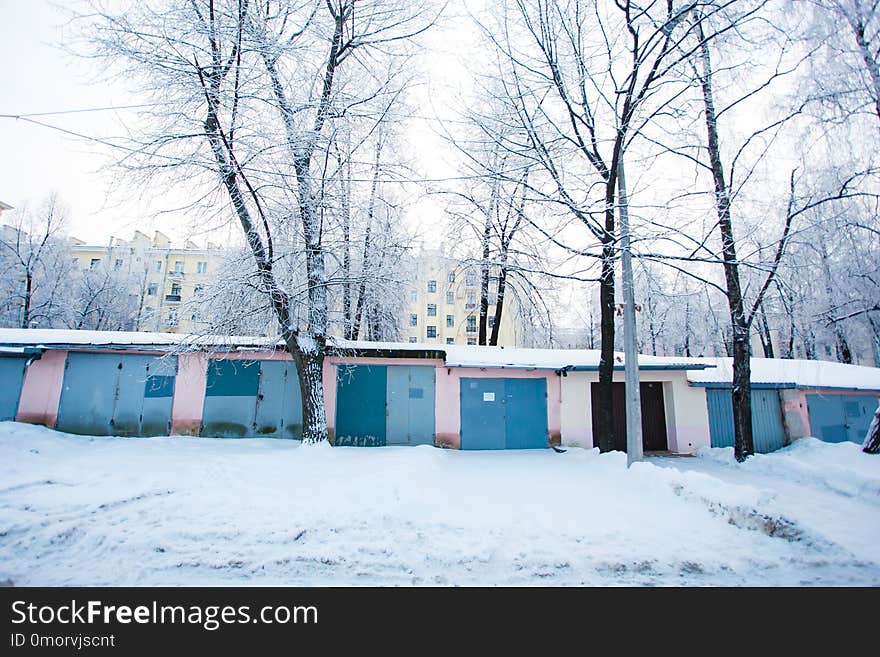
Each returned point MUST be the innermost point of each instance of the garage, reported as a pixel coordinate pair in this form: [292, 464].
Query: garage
[252, 399]
[508, 413]
[385, 405]
[841, 418]
[654, 437]
[11, 377]
[117, 394]
[768, 431]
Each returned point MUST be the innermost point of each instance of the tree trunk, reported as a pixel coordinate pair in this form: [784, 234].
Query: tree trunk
[742, 392]
[872, 438]
[605, 419]
[346, 248]
[308, 354]
[26, 302]
[499, 302]
[766, 338]
[484, 280]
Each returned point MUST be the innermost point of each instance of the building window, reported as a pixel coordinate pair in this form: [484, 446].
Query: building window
[158, 265]
[201, 267]
[471, 324]
[175, 289]
[198, 289]
[471, 302]
[472, 341]
[94, 262]
[450, 297]
[413, 319]
[432, 286]
[171, 319]
[151, 289]
[470, 279]
[450, 340]
[450, 321]
[452, 277]
[413, 296]
[413, 340]
[432, 310]
[432, 332]
[117, 264]
[493, 299]
[178, 266]
[491, 321]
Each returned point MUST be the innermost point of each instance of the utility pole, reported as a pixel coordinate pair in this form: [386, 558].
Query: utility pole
[630, 348]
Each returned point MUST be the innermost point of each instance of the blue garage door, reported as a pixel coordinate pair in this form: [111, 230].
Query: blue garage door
[11, 377]
[385, 405]
[840, 418]
[360, 405]
[252, 399]
[768, 432]
[503, 413]
[117, 395]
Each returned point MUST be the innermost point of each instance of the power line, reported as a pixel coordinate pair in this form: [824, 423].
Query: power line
[78, 111]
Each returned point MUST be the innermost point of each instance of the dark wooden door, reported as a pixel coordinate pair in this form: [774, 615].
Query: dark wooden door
[653, 415]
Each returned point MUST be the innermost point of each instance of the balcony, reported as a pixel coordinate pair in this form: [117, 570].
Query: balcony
[172, 297]
[175, 275]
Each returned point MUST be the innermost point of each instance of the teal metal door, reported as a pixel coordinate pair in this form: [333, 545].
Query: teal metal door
[231, 389]
[11, 378]
[252, 399]
[841, 418]
[503, 413]
[119, 395]
[410, 405]
[360, 405]
[768, 432]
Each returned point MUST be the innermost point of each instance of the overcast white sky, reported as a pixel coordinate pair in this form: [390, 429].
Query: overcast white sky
[38, 76]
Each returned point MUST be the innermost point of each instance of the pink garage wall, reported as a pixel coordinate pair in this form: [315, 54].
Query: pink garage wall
[41, 389]
[189, 394]
[448, 413]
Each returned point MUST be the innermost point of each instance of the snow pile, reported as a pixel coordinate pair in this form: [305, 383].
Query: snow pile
[122, 511]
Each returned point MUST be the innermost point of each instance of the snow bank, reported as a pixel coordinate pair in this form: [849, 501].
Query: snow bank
[174, 510]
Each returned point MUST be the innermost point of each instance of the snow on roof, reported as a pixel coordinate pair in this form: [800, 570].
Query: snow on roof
[58, 337]
[522, 358]
[782, 372]
[455, 355]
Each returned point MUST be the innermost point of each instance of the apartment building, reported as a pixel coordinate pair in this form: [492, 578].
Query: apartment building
[444, 303]
[162, 278]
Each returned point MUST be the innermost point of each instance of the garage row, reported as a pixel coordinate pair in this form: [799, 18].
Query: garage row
[403, 397]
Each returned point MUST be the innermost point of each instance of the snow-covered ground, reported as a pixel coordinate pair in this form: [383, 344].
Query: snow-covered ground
[123, 511]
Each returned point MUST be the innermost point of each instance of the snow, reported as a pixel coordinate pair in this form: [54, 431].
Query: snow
[37, 337]
[521, 357]
[197, 511]
[800, 373]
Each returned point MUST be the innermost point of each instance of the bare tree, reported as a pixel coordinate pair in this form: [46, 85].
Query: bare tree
[583, 79]
[217, 65]
[35, 265]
